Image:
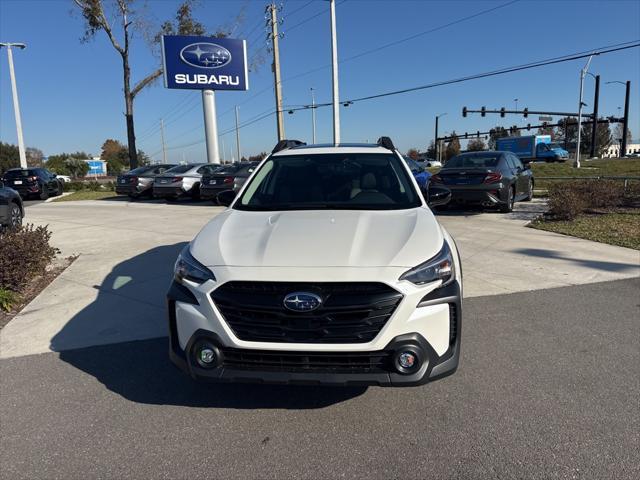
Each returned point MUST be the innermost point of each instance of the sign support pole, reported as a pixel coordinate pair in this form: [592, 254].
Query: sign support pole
[210, 126]
[334, 63]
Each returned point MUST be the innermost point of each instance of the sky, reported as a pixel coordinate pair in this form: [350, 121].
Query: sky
[71, 92]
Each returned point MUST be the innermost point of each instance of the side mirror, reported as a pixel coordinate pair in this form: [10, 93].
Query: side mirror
[437, 195]
[226, 197]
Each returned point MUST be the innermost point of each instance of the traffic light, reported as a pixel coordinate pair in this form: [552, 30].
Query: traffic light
[478, 134]
[464, 112]
[465, 135]
[528, 126]
[483, 111]
[526, 112]
[502, 112]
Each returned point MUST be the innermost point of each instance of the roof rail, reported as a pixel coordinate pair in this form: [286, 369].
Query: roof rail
[386, 142]
[284, 144]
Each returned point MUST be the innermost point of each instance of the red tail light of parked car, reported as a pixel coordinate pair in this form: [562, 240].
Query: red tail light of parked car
[493, 178]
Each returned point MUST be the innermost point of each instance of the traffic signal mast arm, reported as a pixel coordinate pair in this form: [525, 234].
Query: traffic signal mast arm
[528, 127]
[483, 111]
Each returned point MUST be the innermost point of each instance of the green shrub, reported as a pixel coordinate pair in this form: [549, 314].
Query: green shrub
[90, 185]
[8, 299]
[25, 252]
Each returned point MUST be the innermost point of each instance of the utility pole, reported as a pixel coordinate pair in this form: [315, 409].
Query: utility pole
[164, 148]
[238, 131]
[275, 67]
[594, 129]
[583, 73]
[334, 62]
[436, 143]
[313, 116]
[16, 105]
[625, 124]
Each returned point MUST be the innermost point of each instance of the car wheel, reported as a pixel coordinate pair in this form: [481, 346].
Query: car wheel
[15, 216]
[44, 193]
[529, 191]
[508, 206]
[171, 199]
[58, 189]
[133, 196]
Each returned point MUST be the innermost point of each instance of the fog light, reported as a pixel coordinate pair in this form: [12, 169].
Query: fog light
[207, 356]
[407, 360]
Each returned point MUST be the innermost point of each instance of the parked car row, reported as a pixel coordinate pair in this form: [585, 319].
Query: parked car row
[193, 180]
[33, 182]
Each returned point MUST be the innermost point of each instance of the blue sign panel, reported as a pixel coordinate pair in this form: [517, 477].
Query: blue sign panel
[204, 63]
[96, 167]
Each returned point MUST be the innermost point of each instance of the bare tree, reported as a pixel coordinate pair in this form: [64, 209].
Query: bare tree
[97, 15]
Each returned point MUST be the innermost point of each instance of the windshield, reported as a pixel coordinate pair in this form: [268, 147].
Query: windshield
[555, 146]
[180, 168]
[357, 181]
[139, 170]
[469, 161]
[20, 173]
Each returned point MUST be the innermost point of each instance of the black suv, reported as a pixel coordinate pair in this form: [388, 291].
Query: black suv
[33, 182]
[11, 209]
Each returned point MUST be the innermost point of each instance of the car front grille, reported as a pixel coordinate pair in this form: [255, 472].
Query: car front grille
[350, 312]
[317, 362]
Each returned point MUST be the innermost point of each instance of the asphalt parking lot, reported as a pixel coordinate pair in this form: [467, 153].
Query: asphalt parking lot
[547, 388]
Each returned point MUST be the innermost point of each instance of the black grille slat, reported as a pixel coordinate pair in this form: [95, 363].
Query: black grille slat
[371, 362]
[350, 313]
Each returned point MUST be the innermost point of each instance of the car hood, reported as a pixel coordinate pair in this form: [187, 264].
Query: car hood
[401, 238]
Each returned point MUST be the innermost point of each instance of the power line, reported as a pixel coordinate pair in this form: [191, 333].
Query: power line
[540, 63]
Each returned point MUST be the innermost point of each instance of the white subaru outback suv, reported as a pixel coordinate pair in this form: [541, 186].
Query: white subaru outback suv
[328, 267]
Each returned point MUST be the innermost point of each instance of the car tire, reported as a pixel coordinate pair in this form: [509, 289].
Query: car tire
[529, 196]
[58, 189]
[171, 199]
[133, 196]
[15, 215]
[44, 193]
[508, 206]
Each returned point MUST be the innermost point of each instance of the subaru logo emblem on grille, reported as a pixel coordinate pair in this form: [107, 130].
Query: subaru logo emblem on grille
[205, 55]
[302, 301]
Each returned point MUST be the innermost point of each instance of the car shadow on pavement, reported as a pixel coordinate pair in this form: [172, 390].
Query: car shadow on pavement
[595, 264]
[159, 201]
[140, 371]
[130, 306]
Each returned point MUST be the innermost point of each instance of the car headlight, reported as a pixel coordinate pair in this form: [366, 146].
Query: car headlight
[189, 268]
[440, 267]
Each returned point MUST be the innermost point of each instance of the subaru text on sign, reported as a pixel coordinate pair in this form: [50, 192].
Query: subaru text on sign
[204, 63]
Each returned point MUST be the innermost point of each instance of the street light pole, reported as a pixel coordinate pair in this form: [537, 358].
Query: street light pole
[16, 105]
[313, 116]
[334, 63]
[583, 73]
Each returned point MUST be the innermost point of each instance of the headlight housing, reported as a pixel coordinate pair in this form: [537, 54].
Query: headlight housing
[188, 268]
[440, 267]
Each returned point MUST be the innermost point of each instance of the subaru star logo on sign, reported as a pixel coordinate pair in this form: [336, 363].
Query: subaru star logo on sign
[302, 301]
[204, 63]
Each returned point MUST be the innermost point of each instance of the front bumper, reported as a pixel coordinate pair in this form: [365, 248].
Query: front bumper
[327, 364]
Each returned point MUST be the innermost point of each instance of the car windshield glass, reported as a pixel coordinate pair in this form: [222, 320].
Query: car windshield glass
[351, 181]
[139, 170]
[20, 173]
[228, 169]
[469, 161]
[180, 169]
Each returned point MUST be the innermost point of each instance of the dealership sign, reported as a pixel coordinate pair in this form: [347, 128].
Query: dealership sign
[204, 63]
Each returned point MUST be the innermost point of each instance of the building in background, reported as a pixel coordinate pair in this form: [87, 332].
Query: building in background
[633, 148]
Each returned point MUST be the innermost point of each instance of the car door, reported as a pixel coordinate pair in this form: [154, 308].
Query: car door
[522, 179]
